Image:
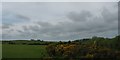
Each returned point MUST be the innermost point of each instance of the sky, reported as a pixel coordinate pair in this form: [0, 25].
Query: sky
[59, 20]
[59, 0]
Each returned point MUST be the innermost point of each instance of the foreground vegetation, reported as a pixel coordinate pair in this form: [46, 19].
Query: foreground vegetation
[91, 48]
[23, 51]
[97, 47]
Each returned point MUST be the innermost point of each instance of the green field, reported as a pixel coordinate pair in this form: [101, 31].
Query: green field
[0, 50]
[23, 51]
[95, 47]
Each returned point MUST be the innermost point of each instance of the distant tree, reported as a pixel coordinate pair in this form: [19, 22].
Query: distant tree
[94, 37]
[116, 42]
[60, 42]
[42, 41]
[69, 41]
[38, 40]
[32, 40]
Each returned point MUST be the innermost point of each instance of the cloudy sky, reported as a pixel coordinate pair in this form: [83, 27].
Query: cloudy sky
[59, 0]
[59, 20]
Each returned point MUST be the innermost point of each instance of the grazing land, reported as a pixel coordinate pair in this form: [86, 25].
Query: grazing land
[24, 51]
[95, 47]
[0, 50]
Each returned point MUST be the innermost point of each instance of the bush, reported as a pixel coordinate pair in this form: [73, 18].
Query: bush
[79, 51]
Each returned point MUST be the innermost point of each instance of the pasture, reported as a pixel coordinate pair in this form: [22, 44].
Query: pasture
[23, 51]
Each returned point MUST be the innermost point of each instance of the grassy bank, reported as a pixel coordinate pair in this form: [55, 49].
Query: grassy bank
[23, 51]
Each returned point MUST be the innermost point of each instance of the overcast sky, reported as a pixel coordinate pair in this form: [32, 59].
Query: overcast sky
[59, 0]
[59, 20]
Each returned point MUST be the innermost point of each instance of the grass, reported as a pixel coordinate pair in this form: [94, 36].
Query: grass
[23, 51]
[0, 50]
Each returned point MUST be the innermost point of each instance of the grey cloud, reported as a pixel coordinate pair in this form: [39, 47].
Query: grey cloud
[44, 24]
[25, 28]
[19, 31]
[22, 17]
[82, 16]
[77, 26]
[108, 16]
[34, 28]
[70, 30]
[67, 30]
[6, 26]
[119, 18]
[13, 18]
